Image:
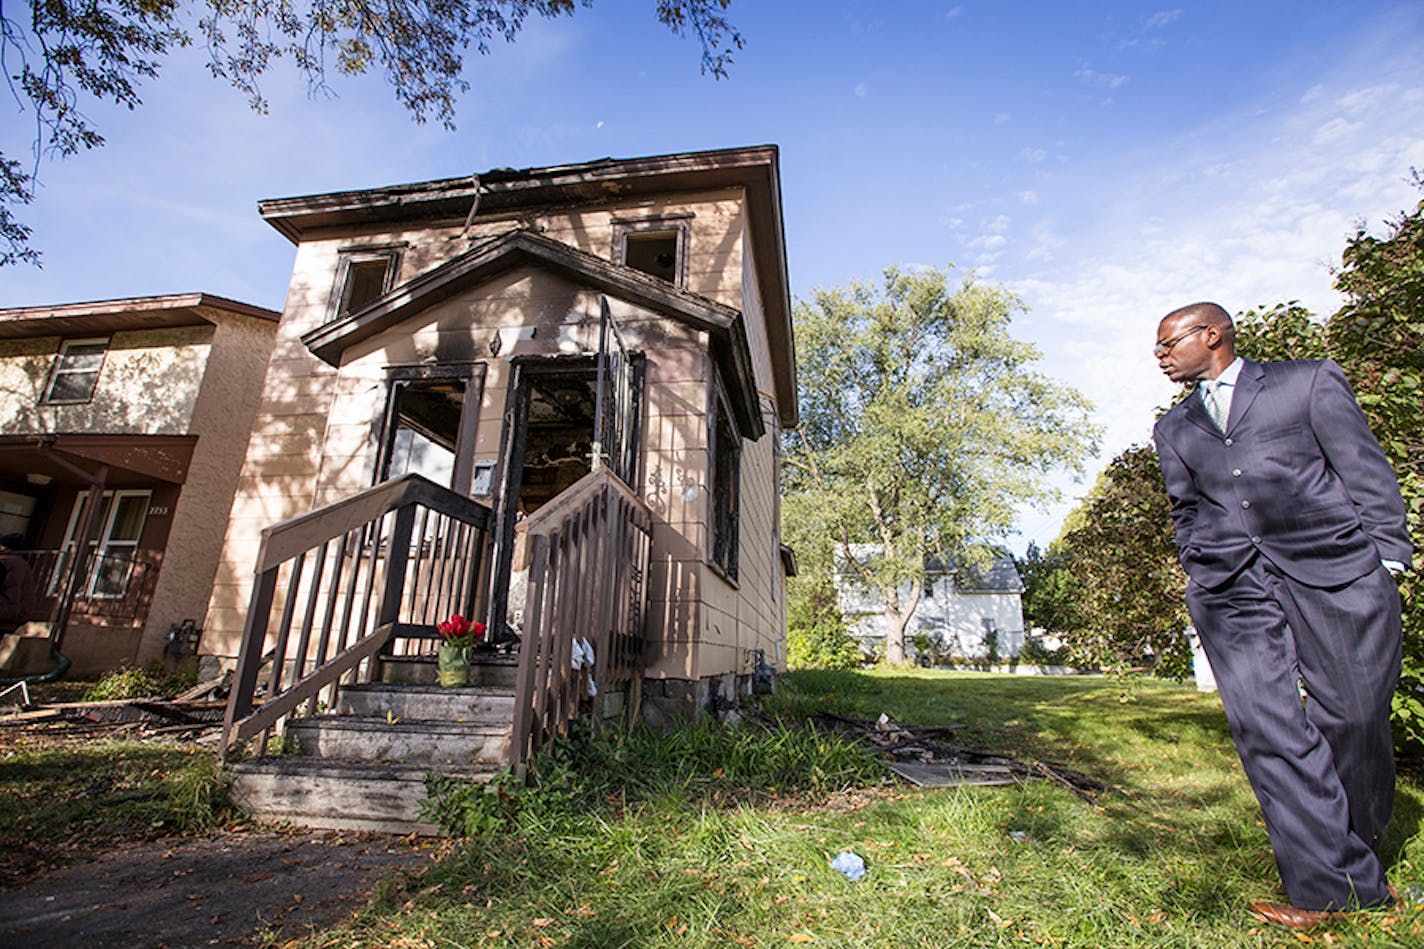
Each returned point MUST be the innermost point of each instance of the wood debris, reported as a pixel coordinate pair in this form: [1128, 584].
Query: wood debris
[132, 718]
[923, 756]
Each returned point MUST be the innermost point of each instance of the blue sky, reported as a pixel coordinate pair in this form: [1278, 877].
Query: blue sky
[1107, 161]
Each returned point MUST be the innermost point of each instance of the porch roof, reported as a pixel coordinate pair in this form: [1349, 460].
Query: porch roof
[133, 459]
[724, 325]
[501, 191]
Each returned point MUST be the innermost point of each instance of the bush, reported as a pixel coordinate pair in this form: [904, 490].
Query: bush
[824, 644]
[132, 683]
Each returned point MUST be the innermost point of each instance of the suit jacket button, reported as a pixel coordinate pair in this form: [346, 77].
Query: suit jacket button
[1235, 472]
[1229, 443]
[1255, 540]
[1245, 503]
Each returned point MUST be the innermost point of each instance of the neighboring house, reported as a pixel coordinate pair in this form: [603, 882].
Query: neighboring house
[962, 608]
[461, 329]
[144, 405]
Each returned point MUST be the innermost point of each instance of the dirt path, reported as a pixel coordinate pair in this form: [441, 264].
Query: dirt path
[230, 889]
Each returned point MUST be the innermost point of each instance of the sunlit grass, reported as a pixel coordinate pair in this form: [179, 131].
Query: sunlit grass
[1170, 859]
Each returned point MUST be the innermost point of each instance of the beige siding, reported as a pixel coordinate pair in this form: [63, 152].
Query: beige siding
[314, 440]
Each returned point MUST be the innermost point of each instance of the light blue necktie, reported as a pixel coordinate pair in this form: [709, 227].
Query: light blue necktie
[1214, 400]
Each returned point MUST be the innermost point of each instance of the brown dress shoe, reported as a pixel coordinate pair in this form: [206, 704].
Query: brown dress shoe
[1294, 917]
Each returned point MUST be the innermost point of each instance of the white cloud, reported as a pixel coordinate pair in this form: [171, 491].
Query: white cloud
[1033, 155]
[1248, 210]
[861, 90]
[953, 12]
[1161, 18]
[1104, 80]
[1028, 197]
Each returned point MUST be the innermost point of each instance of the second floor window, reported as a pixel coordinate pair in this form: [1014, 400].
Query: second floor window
[724, 474]
[361, 277]
[656, 246]
[76, 371]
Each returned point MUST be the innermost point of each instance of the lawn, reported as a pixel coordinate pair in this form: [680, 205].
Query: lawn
[1170, 859]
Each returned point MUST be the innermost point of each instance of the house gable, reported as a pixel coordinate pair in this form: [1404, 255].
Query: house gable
[723, 325]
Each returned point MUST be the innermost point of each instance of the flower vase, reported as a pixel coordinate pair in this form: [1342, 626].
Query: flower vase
[453, 665]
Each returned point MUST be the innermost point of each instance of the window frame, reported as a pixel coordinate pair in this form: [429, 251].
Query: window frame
[348, 257]
[720, 409]
[679, 225]
[399, 377]
[103, 540]
[58, 369]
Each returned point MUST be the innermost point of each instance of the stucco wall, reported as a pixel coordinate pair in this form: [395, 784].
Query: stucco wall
[222, 419]
[148, 384]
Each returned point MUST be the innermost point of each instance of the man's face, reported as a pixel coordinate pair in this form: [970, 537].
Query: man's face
[1182, 348]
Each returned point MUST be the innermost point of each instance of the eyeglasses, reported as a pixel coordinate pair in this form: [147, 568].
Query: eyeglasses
[1164, 347]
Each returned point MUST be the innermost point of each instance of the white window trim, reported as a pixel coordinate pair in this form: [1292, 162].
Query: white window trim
[59, 370]
[103, 542]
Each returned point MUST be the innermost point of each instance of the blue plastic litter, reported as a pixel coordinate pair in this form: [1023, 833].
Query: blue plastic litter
[850, 864]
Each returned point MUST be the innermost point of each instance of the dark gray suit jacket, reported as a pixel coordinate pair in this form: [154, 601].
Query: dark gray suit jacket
[1297, 476]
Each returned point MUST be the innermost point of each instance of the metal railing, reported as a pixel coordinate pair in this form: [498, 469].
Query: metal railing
[588, 579]
[113, 586]
[345, 582]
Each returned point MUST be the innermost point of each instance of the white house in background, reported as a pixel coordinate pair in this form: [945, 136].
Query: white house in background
[964, 607]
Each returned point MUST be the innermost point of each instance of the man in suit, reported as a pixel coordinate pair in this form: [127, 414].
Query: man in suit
[1290, 526]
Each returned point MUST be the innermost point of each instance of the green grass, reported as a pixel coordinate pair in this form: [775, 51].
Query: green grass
[60, 804]
[1169, 861]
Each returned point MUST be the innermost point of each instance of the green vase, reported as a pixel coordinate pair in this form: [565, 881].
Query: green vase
[453, 664]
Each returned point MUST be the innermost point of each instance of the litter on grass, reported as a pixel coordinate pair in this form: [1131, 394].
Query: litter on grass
[850, 864]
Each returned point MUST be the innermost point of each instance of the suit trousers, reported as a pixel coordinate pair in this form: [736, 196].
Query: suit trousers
[1322, 765]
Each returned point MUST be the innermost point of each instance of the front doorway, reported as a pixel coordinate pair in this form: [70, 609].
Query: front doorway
[550, 440]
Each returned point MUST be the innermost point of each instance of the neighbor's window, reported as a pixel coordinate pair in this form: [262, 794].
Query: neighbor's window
[114, 547]
[657, 247]
[361, 277]
[724, 470]
[76, 371]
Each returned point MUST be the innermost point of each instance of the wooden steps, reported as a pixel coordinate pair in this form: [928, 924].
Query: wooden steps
[363, 765]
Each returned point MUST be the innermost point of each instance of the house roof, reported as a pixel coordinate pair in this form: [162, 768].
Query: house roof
[102, 317]
[1000, 575]
[724, 325]
[504, 190]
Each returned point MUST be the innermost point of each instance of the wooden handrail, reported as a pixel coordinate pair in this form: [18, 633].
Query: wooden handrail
[590, 552]
[362, 551]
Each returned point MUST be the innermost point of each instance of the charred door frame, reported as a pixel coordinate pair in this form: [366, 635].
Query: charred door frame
[514, 441]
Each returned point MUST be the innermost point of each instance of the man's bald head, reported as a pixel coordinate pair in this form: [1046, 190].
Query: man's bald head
[1196, 341]
[1212, 314]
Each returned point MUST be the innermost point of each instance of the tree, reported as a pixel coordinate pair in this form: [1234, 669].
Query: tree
[923, 427]
[1378, 339]
[70, 51]
[1123, 604]
[1050, 589]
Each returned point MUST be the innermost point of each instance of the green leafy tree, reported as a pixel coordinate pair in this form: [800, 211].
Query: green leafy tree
[1050, 589]
[69, 52]
[1378, 339]
[923, 427]
[1124, 603]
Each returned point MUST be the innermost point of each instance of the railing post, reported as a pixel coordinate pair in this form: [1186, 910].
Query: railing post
[249, 657]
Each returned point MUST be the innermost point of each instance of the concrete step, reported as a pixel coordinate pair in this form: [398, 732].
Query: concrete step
[404, 741]
[494, 670]
[337, 794]
[489, 705]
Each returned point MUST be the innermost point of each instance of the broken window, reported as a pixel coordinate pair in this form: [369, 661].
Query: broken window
[724, 471]
[657, 247]
[76, 371]
[429, 426]
[363, 276]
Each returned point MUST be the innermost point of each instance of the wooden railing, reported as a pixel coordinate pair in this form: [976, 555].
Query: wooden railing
[351, 579]
[588, 579]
